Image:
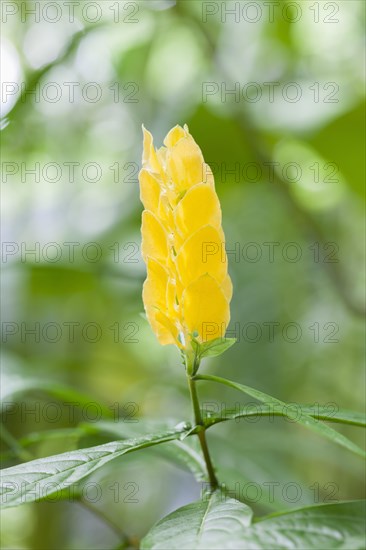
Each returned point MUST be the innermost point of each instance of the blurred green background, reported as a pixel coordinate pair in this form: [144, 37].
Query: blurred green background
[287, 151]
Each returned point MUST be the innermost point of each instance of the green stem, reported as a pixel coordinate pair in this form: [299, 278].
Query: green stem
[14, 445]
[202, 433]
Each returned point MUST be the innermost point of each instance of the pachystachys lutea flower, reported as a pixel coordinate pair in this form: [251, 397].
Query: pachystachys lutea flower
[187, 290]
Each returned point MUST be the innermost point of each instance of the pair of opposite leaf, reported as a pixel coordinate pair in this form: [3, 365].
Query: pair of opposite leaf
[187, 290]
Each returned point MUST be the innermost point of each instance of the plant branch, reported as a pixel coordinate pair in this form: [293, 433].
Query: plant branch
[14, 445]
[201, 433]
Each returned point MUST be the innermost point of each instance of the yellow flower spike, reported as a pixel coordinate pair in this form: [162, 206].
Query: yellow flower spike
[227, 287]
[174, 135]
[200, 206]
[150, 159]
[202, 253]
[155, 238]
[165, 212]
[154, 295]
[184, 163]
[188, 290]
[155, 286]
[149, 190]
[205, 308]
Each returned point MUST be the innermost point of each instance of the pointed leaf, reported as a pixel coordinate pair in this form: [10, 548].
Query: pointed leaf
[299, 416]
[220, 522]
[182, 452]
[212, 348]
[46, 476]
[215, 522]
[341, 416]
[340, 525]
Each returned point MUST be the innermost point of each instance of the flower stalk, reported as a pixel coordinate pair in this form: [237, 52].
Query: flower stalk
[201, 431]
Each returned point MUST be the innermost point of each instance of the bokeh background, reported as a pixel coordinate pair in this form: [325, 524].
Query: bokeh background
[289, 166]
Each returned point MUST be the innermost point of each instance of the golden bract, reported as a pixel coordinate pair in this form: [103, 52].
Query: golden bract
[188, 290]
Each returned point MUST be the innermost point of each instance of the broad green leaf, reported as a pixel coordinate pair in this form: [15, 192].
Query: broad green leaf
[341, 416]
[48, 435]
[212, 348]
[340, 525]
[221, 522]
[46, 476]
[213, 522]
[295, 415]
[181, 452]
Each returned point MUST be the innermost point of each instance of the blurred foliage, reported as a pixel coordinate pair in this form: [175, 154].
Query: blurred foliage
[165, 60]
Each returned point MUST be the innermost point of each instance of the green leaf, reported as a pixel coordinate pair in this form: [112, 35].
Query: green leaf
[187, 454]
[295, 415]
[339, 525]
[48, 435]
[213, 522]
[181, 452]
[46, 476]
[225, 523]
[212, 348]
[327, 414]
